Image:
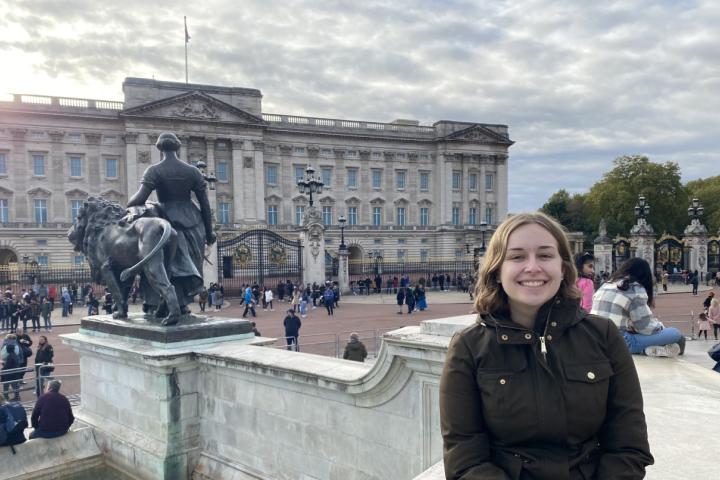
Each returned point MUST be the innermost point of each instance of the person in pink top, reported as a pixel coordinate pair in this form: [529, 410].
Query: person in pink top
[585, 264]
[714, 316]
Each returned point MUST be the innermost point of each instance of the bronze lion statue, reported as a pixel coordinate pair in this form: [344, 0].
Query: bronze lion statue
[119, 245]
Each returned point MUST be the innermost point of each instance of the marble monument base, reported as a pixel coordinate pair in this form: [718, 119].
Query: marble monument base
[140, 388]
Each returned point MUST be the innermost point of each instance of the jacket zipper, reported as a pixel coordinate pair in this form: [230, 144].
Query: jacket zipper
[543, 347]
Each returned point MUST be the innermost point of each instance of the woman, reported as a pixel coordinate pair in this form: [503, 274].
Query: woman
[43, 357]
[174, 181]
[627, 300]
[714, 316]
[585, 264]
[537, 388]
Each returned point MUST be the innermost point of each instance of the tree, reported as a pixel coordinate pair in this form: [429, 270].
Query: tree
[614, 197]
[570, 211]
[707, 190]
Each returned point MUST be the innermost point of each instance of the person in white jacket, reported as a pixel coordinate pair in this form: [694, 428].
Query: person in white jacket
[269, 299]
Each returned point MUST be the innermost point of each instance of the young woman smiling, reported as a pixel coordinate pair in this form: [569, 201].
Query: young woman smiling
[538, 388]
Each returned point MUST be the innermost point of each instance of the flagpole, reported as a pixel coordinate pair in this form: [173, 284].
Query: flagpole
[186, 43]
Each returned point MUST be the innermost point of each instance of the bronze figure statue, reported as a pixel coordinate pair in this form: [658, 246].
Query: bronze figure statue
[174, 181]
[116, 251]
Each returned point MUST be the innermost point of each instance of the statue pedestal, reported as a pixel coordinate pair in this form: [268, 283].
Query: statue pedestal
[696, 238]
[140, 388]
[343, 271]
[642, 239]
[312, 238]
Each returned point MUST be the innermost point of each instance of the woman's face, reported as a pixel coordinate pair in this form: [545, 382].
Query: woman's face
[531, 271]
[588, 269]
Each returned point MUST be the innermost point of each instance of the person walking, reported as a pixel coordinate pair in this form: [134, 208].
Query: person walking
[410, 298]
[714, 316]
[707, 301]
[269, 298]
[202, 299]
[703, 325]
[249, 307]
[46, 312]
[355, 349]
[420, 298]
[329, 299]
[11, 375]
[400, 297]
[66, 302]
[292, 326]
[695, 281]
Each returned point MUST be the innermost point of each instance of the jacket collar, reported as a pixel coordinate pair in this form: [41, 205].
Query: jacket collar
[560, 315]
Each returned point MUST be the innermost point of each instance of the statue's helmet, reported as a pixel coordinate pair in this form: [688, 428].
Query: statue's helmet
[168, 141]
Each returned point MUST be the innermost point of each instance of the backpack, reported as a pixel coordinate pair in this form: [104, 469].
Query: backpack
[13, 428]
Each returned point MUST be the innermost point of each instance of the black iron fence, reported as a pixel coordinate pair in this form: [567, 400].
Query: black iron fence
[21, 276]
[415, 269]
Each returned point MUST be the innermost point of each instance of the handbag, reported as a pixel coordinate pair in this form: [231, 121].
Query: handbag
[26, 351]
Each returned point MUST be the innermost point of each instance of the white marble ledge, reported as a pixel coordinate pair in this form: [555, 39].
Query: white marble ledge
[447, 327]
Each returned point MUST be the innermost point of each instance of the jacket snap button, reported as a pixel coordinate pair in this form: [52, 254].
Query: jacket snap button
[549, 338]
[504, 337]
[553, 324]
[502, 381]
[528, 336]
[591, 375]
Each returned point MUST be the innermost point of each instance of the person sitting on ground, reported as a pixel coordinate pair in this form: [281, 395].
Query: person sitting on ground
[52, 415]
[627, 300]
[355, 350]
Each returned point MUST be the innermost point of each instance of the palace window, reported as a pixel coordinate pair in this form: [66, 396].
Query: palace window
[299, 173]
[456, 215]
[488, 181]
[400, 179]
[352, 215]
[489, 215]
[472, 181]
[109, 140]
[376, 178]
[327, 214]
[3, 164]
[38, 165]
[299, 212]
[456, 179]
[43, 260]
[400, 215]
[299, 150]
[351, 154]
[327, 176]
[377, 216]
[111, 168]
[79, 259]
[224, 213]
[41, 210]
[424, 181]
[424, 216]
[352, 177]
[272, 215]
[74, 137]
[272, 173]
[401, 255]
[222, 171]
[376, 155]
[4, 210]
[472, 217]
[326, 152]
[424, 255]
[75, 206]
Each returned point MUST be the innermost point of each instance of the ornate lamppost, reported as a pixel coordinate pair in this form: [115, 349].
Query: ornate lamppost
[695, 211]
[209, 177]
[696, 239]
[341, 221]
[642, 209]
[310, 184]
[642, 235]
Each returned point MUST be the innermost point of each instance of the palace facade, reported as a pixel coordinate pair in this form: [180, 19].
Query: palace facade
[407, 190]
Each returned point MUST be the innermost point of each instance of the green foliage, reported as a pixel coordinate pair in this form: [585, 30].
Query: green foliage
[614, 197]
[572, 211]
[707, 190]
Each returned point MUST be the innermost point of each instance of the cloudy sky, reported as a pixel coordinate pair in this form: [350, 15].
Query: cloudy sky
[578, 82]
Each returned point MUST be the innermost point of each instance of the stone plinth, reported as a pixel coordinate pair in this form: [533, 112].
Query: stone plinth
[312, 238]
[139, 386]
[343, 271]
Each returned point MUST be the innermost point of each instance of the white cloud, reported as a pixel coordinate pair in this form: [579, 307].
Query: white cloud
[579, 83]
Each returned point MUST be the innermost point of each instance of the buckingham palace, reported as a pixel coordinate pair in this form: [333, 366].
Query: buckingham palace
[406, 190]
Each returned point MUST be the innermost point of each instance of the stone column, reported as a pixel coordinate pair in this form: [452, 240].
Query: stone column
[57, 158]
[131, 164]
[210, 270]
[642, 239]
[312, 236]
[445, 176]
[501, 187]
[603, 251]
[343, 270]
[696, 239]
[240, 200]
[259, 179]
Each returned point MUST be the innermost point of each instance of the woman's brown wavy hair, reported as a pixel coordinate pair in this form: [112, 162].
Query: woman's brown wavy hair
[490, 297]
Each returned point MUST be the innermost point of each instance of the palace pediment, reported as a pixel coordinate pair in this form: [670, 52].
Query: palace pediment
[478, 134]
[193, 106]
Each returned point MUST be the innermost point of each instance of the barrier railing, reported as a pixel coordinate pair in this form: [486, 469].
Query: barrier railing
[28, 382]
[333, 344]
